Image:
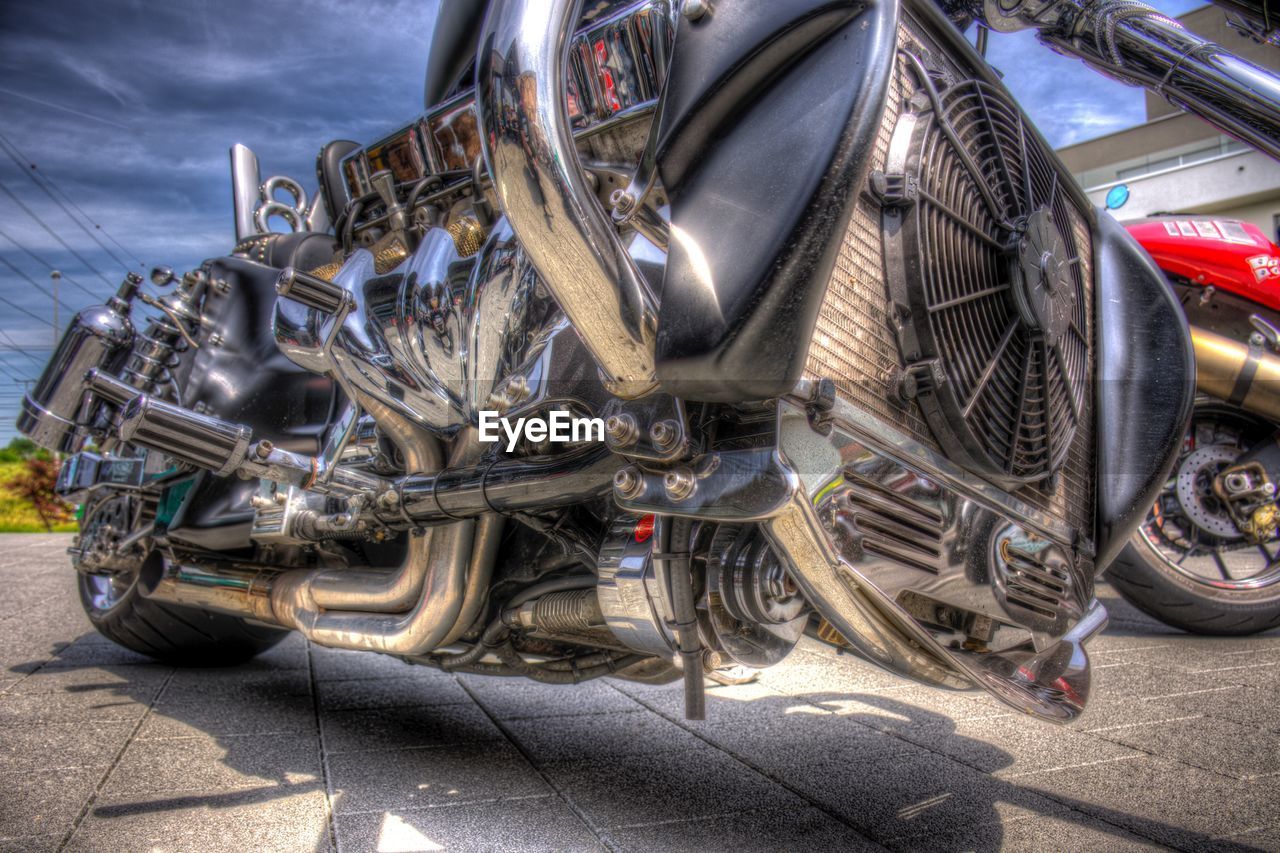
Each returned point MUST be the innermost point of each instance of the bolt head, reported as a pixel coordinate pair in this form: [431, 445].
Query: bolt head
[622, 201]
[694, 9]
[679, 484]
[664, 434]
[628, 482]
[621, 429]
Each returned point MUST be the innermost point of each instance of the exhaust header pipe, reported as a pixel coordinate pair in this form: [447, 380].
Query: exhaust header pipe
[529, 149]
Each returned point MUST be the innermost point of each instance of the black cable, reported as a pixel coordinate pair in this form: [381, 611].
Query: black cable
[19, 348]
[30, 169]
[18, 307]
[31, 281]
[39, 260]
[52, 233]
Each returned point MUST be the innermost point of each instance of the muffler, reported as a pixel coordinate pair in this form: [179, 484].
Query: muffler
[1242, 375]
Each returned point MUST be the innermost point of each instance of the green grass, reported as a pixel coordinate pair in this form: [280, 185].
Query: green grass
[16, 515]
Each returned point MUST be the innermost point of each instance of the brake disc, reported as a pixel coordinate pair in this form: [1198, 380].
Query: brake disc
[1194, 488]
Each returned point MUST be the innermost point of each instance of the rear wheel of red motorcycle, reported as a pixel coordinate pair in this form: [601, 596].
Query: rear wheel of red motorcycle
[178, 635]
[1187, 564]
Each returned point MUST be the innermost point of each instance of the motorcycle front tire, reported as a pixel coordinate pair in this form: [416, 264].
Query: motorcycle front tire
[1142, 578]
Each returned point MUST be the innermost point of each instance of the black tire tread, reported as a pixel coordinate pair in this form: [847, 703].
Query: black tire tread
[1178, 602]
[180, 635]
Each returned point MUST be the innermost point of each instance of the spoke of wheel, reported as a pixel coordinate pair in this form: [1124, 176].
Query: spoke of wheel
[1222, 565]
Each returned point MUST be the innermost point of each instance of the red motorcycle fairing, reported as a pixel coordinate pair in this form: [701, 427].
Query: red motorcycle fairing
[1227, 254]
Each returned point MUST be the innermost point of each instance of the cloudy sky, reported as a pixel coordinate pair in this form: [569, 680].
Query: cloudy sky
[128, 109]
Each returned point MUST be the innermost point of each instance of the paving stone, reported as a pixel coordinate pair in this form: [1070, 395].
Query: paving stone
[804, 828]
[400, 728]
[1166, 801]
[339, 664]
[916, 793]
[32, 843]
[512, 698]
[184, 765]
[234, 683]
[16, 709]
[536, 823]
[140, 683]
[822, 752]
[44, 802]
[279, 818]
[700, 781]
[288, 715]
[605, 737]
[1071, 833]
[407, 778]
[60, 745]
[369, 693]
[1210, 744]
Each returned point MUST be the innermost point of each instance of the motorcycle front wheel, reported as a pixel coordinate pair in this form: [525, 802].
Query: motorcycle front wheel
[1187, 564]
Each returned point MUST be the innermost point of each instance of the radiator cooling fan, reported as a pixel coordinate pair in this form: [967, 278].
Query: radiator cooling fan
[989, 299]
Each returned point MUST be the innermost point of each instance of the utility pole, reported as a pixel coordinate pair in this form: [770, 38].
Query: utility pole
[57, 277]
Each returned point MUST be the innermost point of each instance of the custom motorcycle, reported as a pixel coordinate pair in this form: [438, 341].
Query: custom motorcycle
[853, 355]
[1207, 558]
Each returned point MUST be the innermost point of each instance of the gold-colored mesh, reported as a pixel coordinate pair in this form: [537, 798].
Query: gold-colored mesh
[468, 235]
[855, 345]
[326, 271]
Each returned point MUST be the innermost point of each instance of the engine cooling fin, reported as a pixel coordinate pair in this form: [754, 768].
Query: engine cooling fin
[985, 273]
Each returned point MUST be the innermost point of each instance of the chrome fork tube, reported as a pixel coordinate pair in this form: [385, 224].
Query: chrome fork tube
[529, 149]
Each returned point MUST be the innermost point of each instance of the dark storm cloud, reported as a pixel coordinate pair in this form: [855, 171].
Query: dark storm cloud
[131, 106]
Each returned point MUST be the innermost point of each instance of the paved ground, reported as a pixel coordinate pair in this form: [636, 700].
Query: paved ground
[308, 748]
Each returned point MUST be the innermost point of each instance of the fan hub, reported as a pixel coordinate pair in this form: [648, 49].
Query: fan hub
[1043, 288]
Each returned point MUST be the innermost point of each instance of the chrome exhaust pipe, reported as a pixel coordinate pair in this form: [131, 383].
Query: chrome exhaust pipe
[540, 183]
[1245, 376]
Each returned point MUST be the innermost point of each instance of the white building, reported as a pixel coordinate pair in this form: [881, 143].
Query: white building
[1176, 163]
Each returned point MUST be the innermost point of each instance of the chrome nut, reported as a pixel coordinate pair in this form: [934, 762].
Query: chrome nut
[628, 483]
[664, 434]
[621, 430]
[680, 484]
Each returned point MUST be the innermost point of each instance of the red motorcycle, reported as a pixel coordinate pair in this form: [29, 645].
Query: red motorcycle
[1207, 558]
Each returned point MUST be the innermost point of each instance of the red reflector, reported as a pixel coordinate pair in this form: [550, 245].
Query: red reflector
[644, 528]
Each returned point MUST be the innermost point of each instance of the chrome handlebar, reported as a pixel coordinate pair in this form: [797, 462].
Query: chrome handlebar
[1135, 44]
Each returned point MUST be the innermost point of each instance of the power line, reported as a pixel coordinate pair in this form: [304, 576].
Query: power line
[17, 348]
[33, 282]
[15, 306]
[52, 233]
[42, 262]
[46, 184]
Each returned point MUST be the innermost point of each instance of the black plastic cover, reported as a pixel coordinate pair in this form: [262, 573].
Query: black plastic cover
[1145, 383]
[453, 47]
[770, 115]
[245, 379]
